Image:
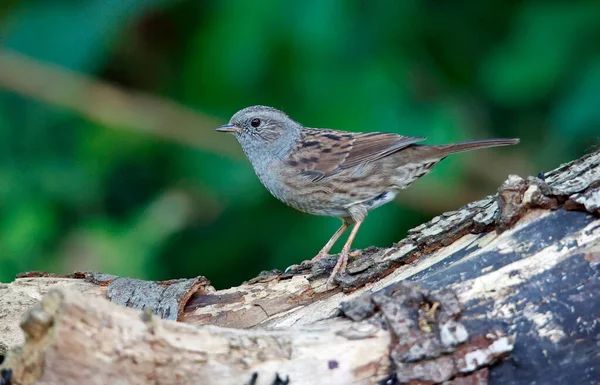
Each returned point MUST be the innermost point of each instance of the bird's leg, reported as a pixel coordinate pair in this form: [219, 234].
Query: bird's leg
[343, 258]
[325, 250]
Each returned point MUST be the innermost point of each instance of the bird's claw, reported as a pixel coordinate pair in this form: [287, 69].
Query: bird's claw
[290, 268]
[339, 267]
[328, 283]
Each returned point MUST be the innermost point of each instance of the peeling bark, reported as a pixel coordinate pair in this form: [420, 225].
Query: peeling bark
[516, 272]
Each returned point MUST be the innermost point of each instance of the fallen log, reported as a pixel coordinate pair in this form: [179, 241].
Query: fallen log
[75, 339]
[515, 274]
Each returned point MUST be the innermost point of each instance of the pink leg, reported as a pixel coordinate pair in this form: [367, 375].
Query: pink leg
[325, 250]
[340, 266]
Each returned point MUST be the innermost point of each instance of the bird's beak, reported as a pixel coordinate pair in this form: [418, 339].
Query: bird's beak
[228, 128]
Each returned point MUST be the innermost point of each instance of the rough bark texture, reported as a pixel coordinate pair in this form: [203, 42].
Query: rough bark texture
[515, 274]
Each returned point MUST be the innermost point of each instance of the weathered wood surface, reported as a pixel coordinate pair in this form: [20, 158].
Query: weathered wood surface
[166, 298]
[75, 339]
[522, 263]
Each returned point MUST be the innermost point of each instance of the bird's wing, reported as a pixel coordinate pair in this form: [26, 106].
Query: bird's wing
[322, 153]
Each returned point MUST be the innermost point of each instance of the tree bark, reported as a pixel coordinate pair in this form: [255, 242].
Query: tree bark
[512, 275]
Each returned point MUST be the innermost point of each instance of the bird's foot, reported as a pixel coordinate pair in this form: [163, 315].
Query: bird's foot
[339, 267]
[299, 268]
[316, 258]
[309, 262]
[322, 254]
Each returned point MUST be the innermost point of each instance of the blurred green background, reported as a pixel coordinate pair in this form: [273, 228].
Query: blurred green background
[109, 161]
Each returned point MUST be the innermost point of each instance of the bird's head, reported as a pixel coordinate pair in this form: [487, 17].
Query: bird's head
[262, 128]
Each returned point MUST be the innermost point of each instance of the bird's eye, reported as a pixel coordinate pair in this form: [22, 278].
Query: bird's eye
[255, 122]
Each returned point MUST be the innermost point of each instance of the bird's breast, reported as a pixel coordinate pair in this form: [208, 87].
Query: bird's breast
[268, 175]
[330, 196]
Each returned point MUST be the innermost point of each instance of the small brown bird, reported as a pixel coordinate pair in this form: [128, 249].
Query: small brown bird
[335, 173]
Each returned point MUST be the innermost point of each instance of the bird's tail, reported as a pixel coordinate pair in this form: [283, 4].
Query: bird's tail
[441, 151]
[418, 159]
[448, 149]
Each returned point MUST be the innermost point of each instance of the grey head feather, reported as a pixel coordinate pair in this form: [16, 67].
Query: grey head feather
[273, 139]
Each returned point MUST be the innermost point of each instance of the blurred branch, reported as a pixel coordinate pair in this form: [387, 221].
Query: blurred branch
[111, 105]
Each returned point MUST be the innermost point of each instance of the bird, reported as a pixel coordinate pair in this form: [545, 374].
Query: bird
[335, 173]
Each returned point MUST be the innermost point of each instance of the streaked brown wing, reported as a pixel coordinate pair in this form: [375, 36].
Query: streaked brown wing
[323, 153]
[371, 146]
